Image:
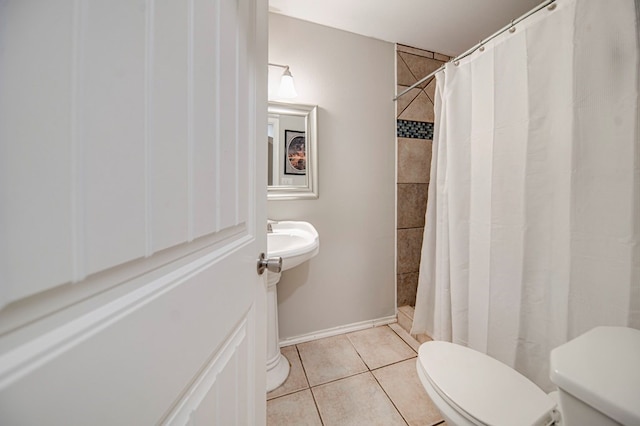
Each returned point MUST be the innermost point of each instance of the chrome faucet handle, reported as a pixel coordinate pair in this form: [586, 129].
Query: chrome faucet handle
[270, 224]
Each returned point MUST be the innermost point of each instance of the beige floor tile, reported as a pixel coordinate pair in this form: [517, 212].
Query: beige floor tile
[404, 335]
[400, 381]
[422, 338]
[404, 321]
[380, 346]
[407, 310]
[356, 400]
[295, 409]
[330, 359]
[296, 380]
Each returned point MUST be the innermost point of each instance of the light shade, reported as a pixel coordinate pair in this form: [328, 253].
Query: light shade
[287, 90]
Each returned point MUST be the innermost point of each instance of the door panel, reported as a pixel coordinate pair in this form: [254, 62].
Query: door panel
[26, 92]
[228, 113]
[110, 150]
[205, 91]
[131, 360]
[167, 123]
[223, 384]
[132, 224]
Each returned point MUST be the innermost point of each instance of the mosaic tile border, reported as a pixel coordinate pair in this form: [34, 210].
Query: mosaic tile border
[414, 129]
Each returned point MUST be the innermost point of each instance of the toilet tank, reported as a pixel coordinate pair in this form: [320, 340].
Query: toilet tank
[598, 377]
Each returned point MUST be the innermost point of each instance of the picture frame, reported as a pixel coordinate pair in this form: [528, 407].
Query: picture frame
[295, 152]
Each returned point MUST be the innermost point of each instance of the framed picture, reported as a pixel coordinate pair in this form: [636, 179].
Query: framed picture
[295, 153]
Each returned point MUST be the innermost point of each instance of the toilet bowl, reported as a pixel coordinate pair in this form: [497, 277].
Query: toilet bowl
[597, 375]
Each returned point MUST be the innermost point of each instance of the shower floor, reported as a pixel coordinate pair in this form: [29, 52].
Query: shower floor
[365, 377]
[405, 320]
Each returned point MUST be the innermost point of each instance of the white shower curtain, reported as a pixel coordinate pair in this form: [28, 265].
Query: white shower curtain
[533, 217]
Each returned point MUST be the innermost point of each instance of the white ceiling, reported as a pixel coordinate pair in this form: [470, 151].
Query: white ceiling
[445, 26]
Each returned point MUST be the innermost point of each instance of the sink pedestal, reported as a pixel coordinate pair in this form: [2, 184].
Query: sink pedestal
[277, 364]
[296, 243]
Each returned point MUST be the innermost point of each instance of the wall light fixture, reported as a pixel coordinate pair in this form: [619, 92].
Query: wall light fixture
[287, 89]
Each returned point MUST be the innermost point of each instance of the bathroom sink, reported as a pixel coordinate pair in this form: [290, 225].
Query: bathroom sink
[295, 242]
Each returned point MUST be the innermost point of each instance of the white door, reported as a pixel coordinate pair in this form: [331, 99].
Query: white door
[132, 212]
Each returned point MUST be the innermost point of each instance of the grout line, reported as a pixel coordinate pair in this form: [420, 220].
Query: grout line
[433, 101]
[412, 227]
[398, 114]
[382, 366]
[389, 398]
[394, 363]
[310, 387]
[313, 396]
[304, 371]
[357, 352]
[369, 370]
[294, 390]
[410, 308]
[287, 393]
[400, 313]
[416, 340]
[427, 81]
[404, 341]
[416, 48]
[408, 67]
[341, 378]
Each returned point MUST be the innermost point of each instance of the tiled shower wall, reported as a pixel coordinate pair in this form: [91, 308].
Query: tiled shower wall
[415, 133]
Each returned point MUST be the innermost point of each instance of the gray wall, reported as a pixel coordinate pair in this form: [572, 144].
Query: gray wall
[352, 80]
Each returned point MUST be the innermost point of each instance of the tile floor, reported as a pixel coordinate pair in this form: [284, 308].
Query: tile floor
[366, 377]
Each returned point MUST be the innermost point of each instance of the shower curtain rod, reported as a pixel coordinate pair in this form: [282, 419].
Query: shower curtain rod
[480, 44]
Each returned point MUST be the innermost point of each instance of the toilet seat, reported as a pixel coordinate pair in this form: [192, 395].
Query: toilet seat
[482, 389]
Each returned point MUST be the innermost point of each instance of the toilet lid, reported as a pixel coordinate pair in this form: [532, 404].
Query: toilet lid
[482, 387]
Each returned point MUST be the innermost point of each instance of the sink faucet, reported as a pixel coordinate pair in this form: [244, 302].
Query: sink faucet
[270, 225]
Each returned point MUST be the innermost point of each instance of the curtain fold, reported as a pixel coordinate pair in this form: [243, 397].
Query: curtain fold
[533, 215]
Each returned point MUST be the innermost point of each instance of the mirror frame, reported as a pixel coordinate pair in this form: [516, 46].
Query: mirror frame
[310, 190]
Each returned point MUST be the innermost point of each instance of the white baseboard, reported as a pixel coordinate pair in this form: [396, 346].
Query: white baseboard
[341, 329]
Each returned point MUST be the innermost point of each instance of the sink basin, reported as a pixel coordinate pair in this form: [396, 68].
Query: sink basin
[295, 242]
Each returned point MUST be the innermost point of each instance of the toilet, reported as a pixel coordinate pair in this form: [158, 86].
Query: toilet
[597, 375]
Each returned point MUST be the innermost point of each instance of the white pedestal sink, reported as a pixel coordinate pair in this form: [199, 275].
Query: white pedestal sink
[295, 243]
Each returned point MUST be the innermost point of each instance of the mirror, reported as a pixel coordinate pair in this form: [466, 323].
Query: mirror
[292, 152]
